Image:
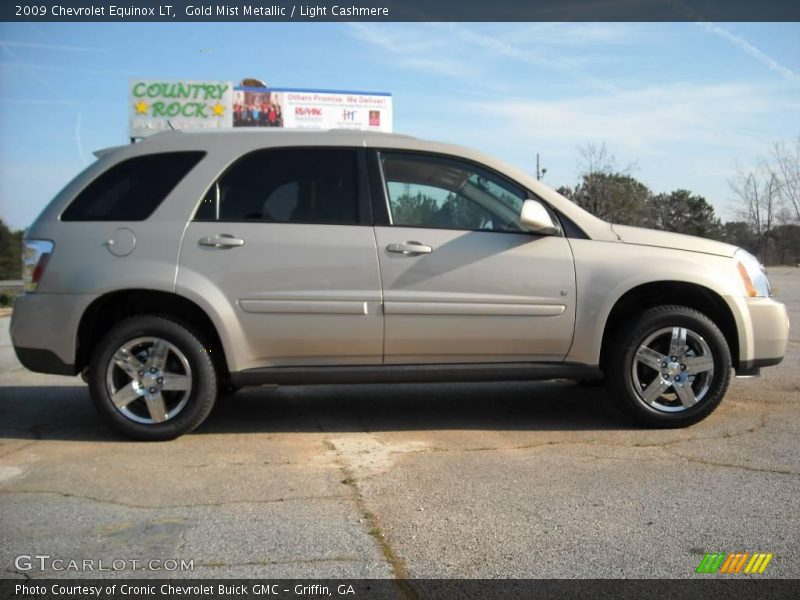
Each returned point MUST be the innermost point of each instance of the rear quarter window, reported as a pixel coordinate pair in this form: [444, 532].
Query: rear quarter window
[132, 189]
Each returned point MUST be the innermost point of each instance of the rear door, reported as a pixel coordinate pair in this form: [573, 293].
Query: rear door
[462, 281]
[282, 246]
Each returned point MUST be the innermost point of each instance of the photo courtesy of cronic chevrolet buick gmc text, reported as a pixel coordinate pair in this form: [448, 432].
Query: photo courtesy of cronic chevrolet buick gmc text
[193, 263]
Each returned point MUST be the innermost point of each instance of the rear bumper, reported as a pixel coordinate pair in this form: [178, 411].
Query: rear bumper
[44, 330]
[43, 361]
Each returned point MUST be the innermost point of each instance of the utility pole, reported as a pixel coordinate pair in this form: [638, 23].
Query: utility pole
[539, 171]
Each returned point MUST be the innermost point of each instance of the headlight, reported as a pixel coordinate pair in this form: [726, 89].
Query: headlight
[754, 276]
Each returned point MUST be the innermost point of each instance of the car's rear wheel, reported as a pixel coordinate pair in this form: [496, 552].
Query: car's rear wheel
[671, 368]
[152, 378]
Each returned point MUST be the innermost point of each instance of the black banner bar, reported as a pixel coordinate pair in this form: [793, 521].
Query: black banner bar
[707, 588]
[395, 10]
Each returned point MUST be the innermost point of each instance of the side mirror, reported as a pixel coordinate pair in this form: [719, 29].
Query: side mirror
[535, 217]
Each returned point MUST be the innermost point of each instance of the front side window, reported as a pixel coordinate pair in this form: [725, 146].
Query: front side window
[288, 185]
[443, 193]
[132, 189]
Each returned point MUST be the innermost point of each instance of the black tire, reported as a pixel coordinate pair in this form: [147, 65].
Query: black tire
[631, 373]
[186, 363]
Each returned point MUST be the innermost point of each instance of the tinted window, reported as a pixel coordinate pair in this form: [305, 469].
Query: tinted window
[429, 191]
[132, 189]
[289, 185]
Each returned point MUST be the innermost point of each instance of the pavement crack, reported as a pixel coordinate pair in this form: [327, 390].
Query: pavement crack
[255, 563]
[373, 526]
[596, 443]
[16, 572]
[729, 465]
[132, 505]
[265, 463]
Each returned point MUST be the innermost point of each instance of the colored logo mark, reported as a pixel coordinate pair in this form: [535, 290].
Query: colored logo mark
[735, 563]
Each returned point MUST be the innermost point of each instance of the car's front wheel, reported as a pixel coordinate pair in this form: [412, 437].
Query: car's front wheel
[671, 368]
[152, 378]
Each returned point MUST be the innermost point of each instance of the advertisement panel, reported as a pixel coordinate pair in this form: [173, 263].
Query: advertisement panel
[312, 109]
[158, 104]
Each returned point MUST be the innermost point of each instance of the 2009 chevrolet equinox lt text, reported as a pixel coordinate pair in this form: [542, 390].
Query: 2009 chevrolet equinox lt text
[193, 263]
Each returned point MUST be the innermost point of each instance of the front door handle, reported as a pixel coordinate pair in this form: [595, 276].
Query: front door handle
[409, 248]
[222, 240]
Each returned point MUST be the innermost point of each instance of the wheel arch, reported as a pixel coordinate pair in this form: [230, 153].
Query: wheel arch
[658, 293]
[112, 307]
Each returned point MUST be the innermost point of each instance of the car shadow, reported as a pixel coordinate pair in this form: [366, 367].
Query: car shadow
[66, 412]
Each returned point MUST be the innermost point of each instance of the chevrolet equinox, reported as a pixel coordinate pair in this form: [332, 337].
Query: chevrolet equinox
[191, 264]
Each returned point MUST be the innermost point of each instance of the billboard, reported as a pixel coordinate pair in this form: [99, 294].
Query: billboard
[312, 109]
[157, 105]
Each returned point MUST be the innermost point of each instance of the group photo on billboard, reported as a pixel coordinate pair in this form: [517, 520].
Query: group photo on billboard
[311, 109]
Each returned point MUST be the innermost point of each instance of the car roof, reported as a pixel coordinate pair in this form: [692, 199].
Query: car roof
[245, 139]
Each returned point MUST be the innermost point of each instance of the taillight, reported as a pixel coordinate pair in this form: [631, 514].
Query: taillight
[35, 254]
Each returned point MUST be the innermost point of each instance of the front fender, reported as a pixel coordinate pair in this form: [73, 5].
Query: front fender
[606, 271]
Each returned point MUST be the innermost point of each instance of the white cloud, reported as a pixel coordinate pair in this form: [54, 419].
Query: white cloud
[743, 44]
[53, 47]
[32, 67]
[545, 60]
[461, 52]
[420, 48]
[642, 119]
[578, 34]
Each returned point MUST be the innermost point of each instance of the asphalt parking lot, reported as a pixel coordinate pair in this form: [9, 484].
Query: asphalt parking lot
[534, 480]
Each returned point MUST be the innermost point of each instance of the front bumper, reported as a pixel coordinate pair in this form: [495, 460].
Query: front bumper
[763, 334]
[44, 330]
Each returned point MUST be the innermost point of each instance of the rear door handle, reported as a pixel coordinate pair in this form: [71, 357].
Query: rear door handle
[409, 248]
[222, 240]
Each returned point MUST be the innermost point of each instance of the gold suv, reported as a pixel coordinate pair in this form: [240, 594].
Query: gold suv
[194, 263]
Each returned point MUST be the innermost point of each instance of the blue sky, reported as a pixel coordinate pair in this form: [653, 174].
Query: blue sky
[685, 103]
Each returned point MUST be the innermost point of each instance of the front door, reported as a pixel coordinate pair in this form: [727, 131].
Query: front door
[462, 280]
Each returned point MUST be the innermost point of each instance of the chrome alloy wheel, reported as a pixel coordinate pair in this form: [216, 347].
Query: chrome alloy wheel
[673, 369]
[149, 380]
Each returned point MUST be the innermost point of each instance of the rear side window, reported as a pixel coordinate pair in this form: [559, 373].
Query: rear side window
[133, 189]
[288, 185]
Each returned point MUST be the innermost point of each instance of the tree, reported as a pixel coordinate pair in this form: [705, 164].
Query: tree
[607, 192]
[682, 212]
[768, 197]
[739, 233]
[613, 197]
[758, 194]
[785, 166]
[787, 244]
[10, 253]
